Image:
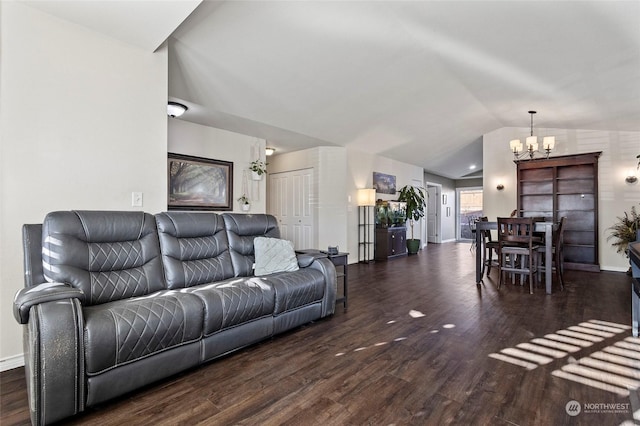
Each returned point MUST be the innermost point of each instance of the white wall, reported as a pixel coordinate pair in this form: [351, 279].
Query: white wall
[330, 202]
[615, 196]
[83, 124]
[202, 141]
[360, 168]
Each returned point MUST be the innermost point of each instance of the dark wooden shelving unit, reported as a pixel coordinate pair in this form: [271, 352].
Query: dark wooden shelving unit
[565, 186]
[366, 234]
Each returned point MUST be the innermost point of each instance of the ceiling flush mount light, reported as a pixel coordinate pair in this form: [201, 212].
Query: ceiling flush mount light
[269, 151]
[519, 151]
[174, 109]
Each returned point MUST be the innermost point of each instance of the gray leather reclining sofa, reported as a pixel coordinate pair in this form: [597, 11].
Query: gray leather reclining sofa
[116, 300]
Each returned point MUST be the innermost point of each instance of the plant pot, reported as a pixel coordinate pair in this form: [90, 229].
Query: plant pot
[246, 207]
[413, 245]
[255, 175]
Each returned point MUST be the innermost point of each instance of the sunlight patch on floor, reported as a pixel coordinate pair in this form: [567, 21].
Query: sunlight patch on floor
[556, 345]
[584, 336]
[413, 314]
[516, 361]
[526, 355]
[569, 340]
[540, 351]
[615, 368]
[587, 331]
[589, 382]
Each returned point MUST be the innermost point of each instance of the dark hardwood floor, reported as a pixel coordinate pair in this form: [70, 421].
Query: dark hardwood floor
[420, 344]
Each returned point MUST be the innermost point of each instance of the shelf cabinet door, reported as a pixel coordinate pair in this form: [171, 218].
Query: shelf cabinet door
[390, 242]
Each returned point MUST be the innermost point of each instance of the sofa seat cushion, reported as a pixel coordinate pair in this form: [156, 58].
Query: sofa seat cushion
[296, 289]
[124, 331]
[234, 301]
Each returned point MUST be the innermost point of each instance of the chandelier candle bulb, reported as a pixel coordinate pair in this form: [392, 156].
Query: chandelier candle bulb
[516, 146]
[549, 142]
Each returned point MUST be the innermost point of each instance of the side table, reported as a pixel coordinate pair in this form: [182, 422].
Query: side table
[340, 259]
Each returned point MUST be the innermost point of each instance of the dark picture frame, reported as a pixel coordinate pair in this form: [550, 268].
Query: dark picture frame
[197, 183]
[384, 184]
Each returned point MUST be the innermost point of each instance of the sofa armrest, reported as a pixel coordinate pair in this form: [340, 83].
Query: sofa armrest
[47, 292]
[327, 268]
[305, 260]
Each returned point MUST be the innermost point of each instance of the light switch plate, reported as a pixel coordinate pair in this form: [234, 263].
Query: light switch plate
[136, 199]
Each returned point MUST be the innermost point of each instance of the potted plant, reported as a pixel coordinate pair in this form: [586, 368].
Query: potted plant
[258, 168]
[415, 199]
[625, 231]
[245, 204]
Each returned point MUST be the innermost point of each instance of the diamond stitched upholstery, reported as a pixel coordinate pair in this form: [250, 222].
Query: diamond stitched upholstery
[130, 329]
[234, 302]
[195, 249]
[151, 332]
[118, 255]
[107, 255]
[241, 230]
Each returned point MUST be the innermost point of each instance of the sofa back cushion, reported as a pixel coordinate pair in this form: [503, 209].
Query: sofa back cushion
[241, 230]
[108, 255]
[195, 249]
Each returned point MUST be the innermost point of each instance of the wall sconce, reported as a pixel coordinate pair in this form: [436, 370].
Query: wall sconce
[367, 197]
[631, 177]
[500, 187]
[174, 109]
[269, 151]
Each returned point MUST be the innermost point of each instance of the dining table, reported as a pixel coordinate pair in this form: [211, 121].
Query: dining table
[540, 226]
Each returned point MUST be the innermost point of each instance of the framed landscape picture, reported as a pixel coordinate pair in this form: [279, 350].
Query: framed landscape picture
[383, 183]
[197, 183]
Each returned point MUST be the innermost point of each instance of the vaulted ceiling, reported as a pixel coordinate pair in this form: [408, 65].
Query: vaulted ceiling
[419, 81]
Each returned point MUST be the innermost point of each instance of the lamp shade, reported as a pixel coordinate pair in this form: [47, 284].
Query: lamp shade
[516, 145]
[268, 151]
[532, 143]
[367, 197]
[548, 142]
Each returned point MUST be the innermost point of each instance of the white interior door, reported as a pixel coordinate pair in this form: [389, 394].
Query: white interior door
[432, 214]
[290, 195]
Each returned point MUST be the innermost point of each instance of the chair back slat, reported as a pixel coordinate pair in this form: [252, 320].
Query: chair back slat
[516, 230]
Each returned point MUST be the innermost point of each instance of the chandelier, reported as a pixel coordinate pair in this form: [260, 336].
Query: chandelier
[531, 151]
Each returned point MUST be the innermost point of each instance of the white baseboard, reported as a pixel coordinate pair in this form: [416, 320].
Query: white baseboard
[452, 240]
[11, 362]
[613, 268]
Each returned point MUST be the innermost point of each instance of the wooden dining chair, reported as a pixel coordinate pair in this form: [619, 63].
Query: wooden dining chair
[517, 252]
[558, 253]
[489, 246]
[471, 220]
